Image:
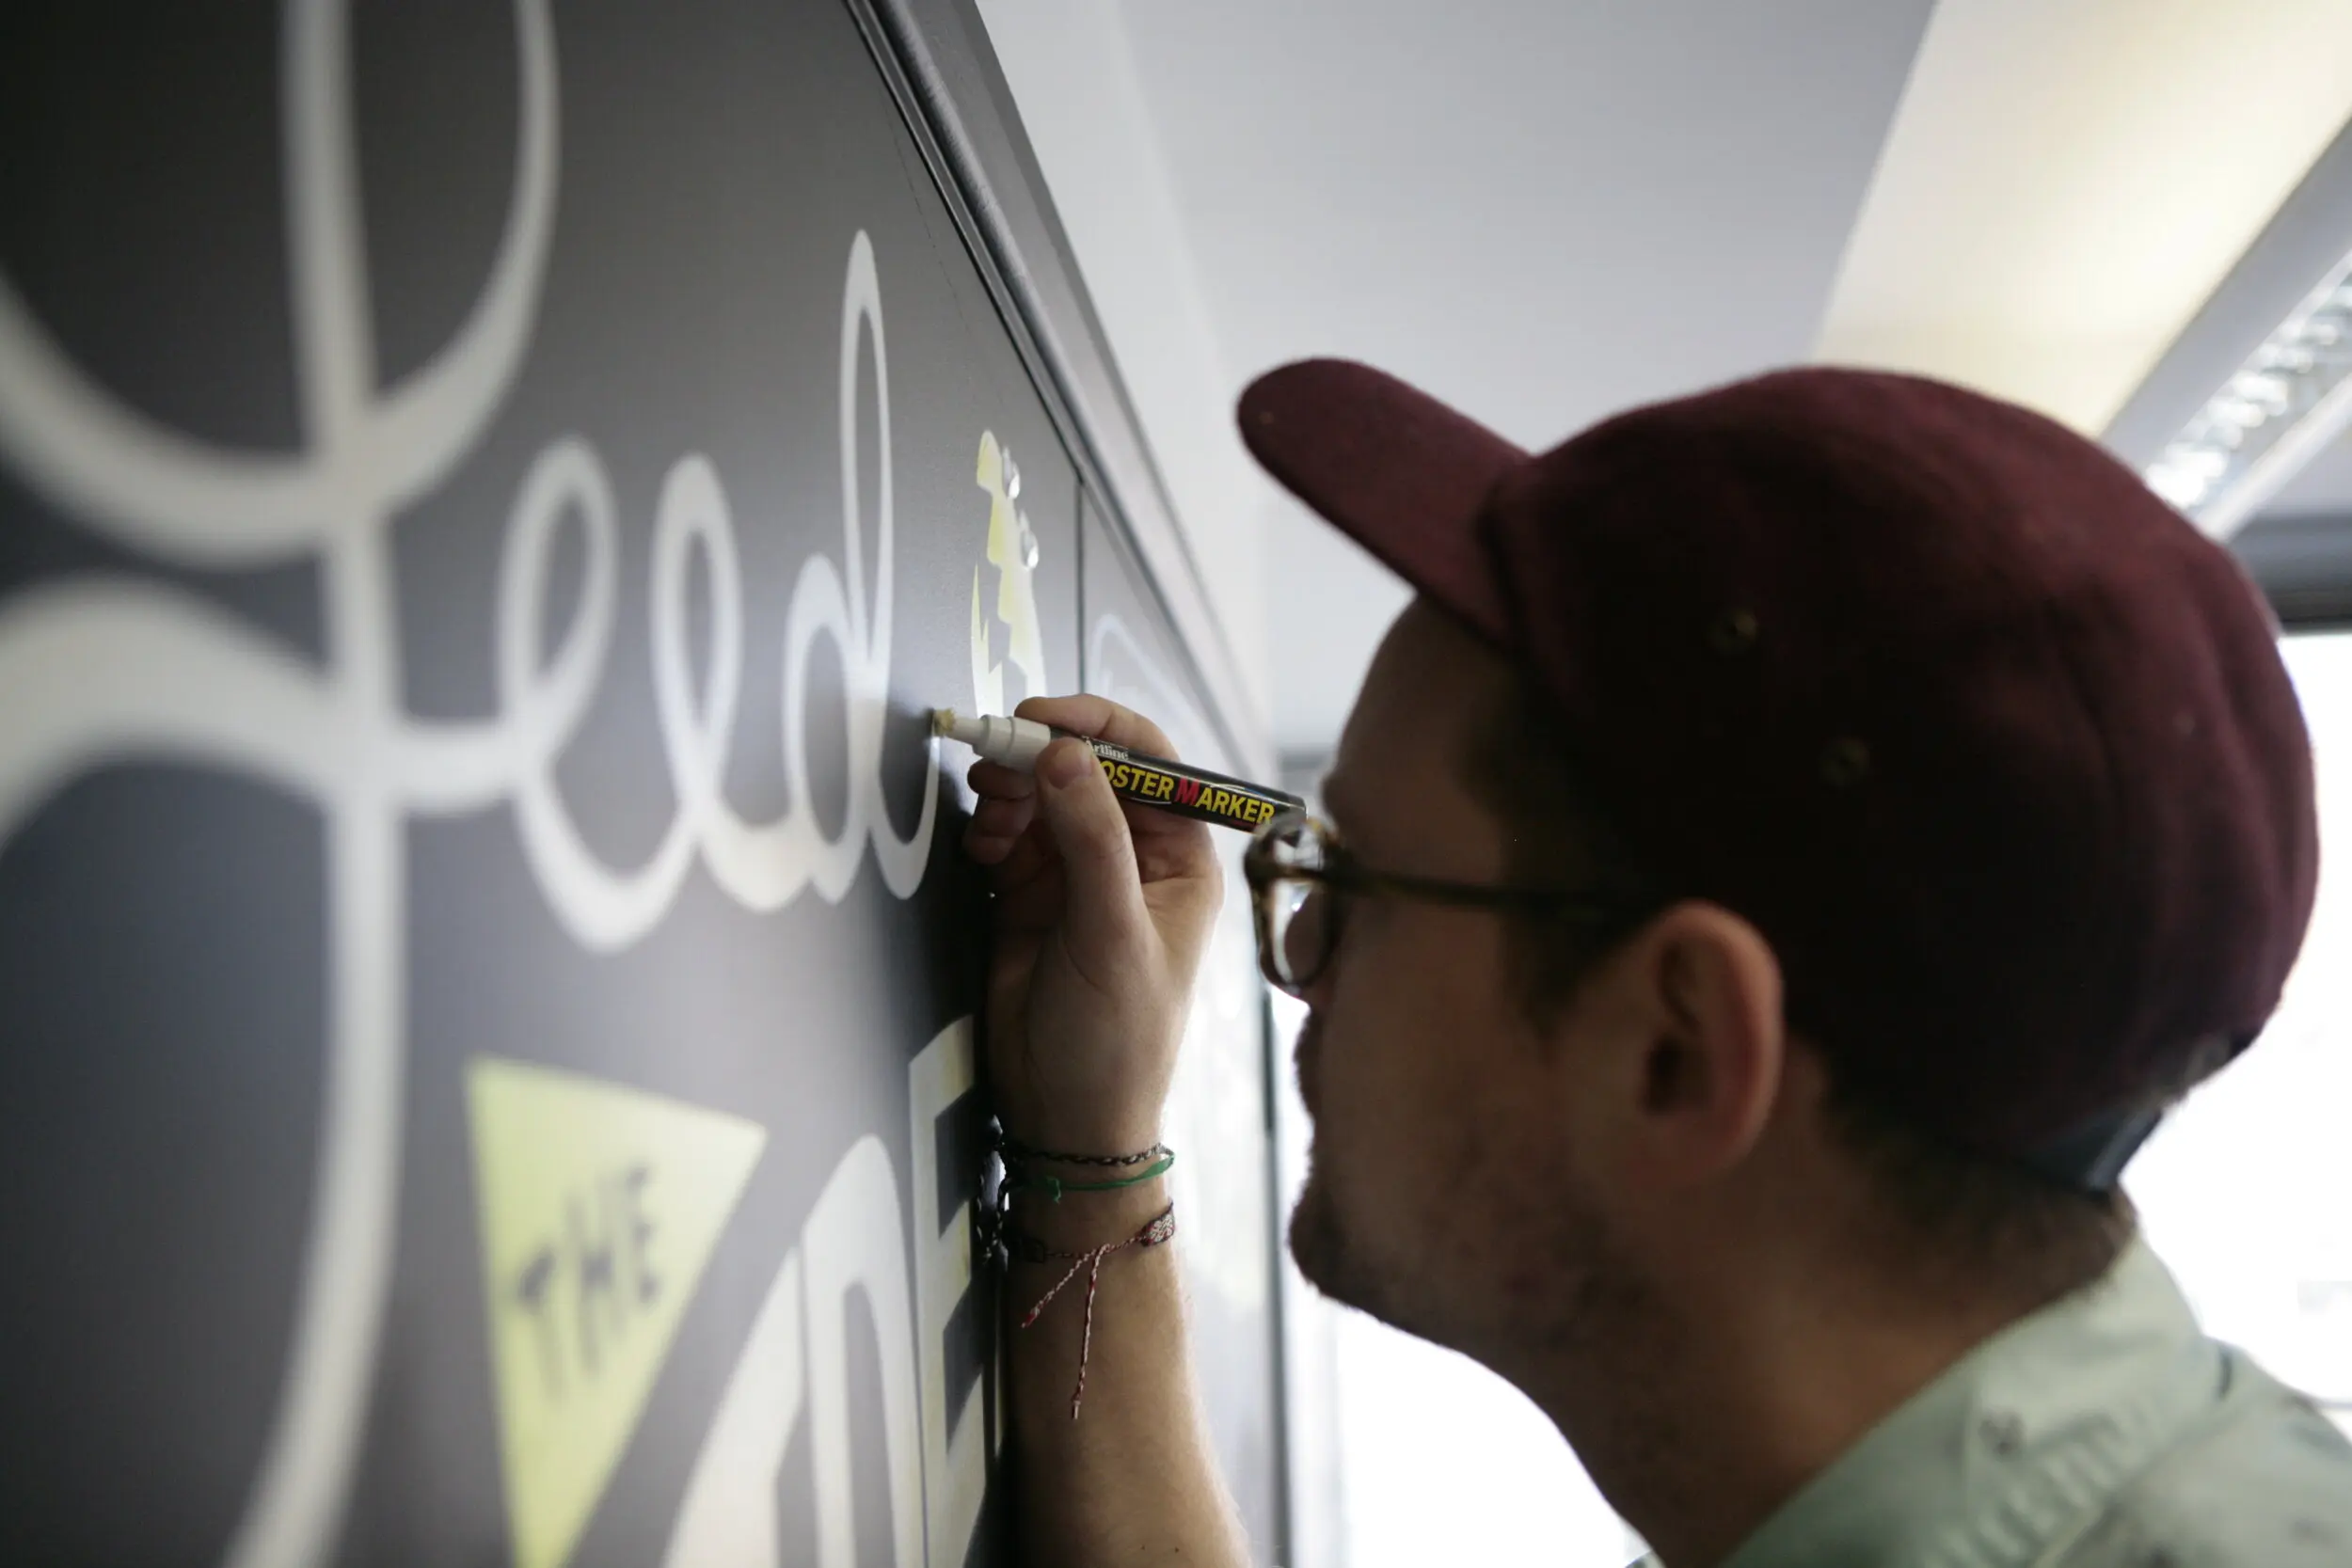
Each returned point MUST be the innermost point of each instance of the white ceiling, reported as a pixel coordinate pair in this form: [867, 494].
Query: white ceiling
[1537, 211]
[2050, 251]
[1545, 211]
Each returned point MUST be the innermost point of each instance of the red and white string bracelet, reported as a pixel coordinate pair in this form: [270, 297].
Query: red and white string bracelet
[1029, 1249]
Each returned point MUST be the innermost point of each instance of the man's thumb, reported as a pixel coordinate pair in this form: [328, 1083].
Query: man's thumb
[1100, 880]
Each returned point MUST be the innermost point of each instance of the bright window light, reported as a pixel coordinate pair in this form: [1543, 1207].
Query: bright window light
[2245, 1191]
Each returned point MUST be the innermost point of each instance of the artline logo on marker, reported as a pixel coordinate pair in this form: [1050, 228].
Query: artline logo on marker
[1187, 791]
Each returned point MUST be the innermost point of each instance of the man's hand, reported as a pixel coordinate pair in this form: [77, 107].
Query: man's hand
[1101, 912]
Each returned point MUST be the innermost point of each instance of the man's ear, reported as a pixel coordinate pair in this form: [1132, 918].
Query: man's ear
[1699, 1043]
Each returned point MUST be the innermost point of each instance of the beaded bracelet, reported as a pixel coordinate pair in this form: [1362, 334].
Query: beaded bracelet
[1015, 1151]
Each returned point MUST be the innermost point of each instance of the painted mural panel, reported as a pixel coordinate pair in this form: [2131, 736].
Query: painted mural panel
[487, 497]
[1218, 1119]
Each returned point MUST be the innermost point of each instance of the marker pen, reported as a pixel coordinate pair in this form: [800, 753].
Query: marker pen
[1176, 786]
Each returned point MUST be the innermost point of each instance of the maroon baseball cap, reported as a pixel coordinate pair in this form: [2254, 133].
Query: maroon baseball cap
[1990, 743]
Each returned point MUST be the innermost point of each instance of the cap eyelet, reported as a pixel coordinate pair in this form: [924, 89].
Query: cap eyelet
[1733, 632]
[1845, 763]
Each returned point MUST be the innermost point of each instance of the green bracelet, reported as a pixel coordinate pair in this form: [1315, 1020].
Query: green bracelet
[1053, 1186]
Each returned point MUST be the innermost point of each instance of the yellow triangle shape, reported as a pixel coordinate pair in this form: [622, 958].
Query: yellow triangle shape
[600, 1207]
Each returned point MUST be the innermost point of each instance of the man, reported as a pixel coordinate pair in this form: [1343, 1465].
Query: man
[1791, 852]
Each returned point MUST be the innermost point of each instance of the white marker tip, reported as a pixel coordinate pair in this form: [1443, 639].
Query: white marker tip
[1014, 742]
[978, 734]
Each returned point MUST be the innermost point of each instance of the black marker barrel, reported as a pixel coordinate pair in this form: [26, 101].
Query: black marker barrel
[1159, 782]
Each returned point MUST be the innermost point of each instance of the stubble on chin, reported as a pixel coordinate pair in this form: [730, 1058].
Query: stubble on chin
[1572, 1292]
[1314, 1236]
[1320, 1246]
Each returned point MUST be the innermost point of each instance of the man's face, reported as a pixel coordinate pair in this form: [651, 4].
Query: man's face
[1438, 1168]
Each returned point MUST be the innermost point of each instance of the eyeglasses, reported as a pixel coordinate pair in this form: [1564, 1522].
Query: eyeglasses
[1301, 879]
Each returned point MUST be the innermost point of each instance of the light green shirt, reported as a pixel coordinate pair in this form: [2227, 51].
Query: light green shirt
[2104, 1431]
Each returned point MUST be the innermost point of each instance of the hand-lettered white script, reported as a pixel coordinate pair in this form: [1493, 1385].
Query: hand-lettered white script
[94, 672]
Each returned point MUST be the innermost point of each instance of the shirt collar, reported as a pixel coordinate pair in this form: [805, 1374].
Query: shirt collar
[2017, 1446]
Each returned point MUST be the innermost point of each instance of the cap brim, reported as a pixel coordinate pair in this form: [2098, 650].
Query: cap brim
[1399, 472]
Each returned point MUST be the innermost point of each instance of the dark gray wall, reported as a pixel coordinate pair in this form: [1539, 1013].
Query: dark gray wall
[486, 975]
